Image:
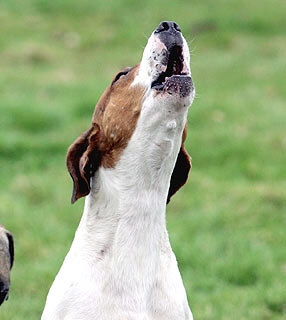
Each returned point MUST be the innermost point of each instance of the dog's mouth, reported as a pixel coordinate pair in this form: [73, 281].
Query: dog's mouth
[175, 65]
[175, 79]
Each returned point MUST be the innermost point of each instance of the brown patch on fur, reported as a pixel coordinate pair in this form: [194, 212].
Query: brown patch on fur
[113, 123]
[116, 115]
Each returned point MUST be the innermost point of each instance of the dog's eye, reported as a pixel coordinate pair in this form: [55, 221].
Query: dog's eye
[120, 74]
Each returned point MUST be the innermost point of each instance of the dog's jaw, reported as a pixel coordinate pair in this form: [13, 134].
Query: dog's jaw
[165, 81]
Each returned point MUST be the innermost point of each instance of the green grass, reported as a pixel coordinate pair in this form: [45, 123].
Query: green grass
[227, 225]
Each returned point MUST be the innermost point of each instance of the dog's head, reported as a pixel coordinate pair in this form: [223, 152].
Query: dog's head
[144, 108]
[6, 262]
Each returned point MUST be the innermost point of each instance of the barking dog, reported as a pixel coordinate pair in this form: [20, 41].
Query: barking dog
[128, 164]
[6, 262]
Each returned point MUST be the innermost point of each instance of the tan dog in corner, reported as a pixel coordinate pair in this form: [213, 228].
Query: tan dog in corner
[128, 165]
[6, 262]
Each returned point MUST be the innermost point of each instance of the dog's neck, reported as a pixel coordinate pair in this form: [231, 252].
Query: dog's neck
[124, 214]
[125, 218]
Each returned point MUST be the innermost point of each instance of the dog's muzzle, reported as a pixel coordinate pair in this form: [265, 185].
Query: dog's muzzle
[175, 78]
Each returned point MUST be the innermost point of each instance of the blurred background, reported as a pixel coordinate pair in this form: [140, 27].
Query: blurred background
[227, 225]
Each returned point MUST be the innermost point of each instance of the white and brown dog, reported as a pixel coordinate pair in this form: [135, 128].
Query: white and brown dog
[129, 163]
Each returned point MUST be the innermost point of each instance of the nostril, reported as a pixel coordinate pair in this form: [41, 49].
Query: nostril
[165, 25]
[177, 27]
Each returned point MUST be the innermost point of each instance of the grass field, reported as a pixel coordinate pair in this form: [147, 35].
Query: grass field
[228, 224]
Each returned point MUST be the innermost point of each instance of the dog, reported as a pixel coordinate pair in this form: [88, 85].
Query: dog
[6, 262]
[128, 165]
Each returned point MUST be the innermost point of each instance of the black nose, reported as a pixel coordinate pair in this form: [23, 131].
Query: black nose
[169, 26]
[170, 34]
[4, 290]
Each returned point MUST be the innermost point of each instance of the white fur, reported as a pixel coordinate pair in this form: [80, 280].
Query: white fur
[121, 265]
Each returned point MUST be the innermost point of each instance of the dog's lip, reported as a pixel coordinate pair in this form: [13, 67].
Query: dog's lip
[174, 66]
[161, 86]
[179, 84]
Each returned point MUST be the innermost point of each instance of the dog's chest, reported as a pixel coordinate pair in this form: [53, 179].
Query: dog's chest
[96, 290]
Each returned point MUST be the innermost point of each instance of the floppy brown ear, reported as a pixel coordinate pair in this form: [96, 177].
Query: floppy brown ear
[83, 159]
[181, 170]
